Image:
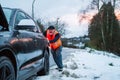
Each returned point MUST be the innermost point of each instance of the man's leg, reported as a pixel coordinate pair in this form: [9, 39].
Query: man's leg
[57, 56]
[54, 56]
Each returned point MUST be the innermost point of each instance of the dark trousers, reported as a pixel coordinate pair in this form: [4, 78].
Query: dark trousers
[57, 56]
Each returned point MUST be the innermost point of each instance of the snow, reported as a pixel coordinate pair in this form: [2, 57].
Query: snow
[86, 64]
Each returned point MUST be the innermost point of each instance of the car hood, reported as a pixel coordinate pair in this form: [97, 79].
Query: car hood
[3, 20]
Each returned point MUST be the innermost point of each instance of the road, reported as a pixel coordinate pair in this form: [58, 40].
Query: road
[65, 52]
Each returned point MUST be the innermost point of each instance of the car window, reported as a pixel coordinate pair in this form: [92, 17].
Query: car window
[36, 29]
[7, 13]
[20, 15]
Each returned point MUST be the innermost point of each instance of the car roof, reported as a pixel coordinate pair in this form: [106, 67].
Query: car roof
[15, 9]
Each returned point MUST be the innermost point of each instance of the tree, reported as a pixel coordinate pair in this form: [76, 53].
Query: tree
[104, 30]
[96, 3]
[115, 3]
[59, 25]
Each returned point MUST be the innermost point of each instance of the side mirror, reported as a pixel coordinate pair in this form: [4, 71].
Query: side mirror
[26, 24]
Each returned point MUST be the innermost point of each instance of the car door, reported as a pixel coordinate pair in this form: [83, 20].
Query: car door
[30, 56]
[41, 42]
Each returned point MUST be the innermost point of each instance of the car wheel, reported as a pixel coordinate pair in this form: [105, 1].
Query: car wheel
[45, 70]
[6, 69]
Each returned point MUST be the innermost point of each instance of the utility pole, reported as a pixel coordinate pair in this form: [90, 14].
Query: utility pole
[33, 9]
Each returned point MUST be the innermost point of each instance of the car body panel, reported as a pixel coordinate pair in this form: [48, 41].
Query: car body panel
[27, 46]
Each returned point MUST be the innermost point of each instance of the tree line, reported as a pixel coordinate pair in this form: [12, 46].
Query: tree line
[104, 29]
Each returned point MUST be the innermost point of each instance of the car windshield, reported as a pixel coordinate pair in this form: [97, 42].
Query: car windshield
[7, 13]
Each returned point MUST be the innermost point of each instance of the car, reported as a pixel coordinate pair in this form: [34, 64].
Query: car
[24, 51]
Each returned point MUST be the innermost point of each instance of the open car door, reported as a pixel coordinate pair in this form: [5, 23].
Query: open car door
[3, 20]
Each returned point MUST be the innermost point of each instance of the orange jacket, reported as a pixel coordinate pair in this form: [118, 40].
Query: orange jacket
[56, 44]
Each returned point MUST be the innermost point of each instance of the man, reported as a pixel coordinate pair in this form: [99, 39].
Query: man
[56, 45]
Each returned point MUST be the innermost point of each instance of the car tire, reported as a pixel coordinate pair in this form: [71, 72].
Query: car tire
[45, 70]
[6, 69]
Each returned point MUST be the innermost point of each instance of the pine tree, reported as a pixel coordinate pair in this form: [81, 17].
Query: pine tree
[104, 30]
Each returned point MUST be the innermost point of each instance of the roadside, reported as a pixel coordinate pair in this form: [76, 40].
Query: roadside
[65, 52]
[86, 64]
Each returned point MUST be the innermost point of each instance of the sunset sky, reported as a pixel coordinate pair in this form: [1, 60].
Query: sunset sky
[66, 10]
[48, 8]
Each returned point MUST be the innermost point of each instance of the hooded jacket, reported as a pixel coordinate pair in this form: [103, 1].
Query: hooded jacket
[55, 41]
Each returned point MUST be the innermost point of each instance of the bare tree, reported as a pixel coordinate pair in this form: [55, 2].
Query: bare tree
[116, 4]
[96, 3]
[59, 25]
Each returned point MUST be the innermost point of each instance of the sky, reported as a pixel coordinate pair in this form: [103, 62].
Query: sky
[66, 10]
[48, 8]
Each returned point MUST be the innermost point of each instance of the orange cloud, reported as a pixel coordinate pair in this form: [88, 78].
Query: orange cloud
[88, 16]
[117, 13]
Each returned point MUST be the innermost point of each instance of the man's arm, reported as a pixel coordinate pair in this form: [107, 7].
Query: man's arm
[57, 36]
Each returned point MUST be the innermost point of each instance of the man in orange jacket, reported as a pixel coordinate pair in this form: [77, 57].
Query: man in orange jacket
[54, 39]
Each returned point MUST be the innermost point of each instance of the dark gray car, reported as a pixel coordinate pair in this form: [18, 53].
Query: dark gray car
[23, 48]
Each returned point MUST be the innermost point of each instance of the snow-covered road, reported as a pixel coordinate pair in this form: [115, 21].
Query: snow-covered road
[65, 52]
[86, 64]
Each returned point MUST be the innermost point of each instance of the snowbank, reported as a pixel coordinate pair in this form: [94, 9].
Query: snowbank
[87, 64]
